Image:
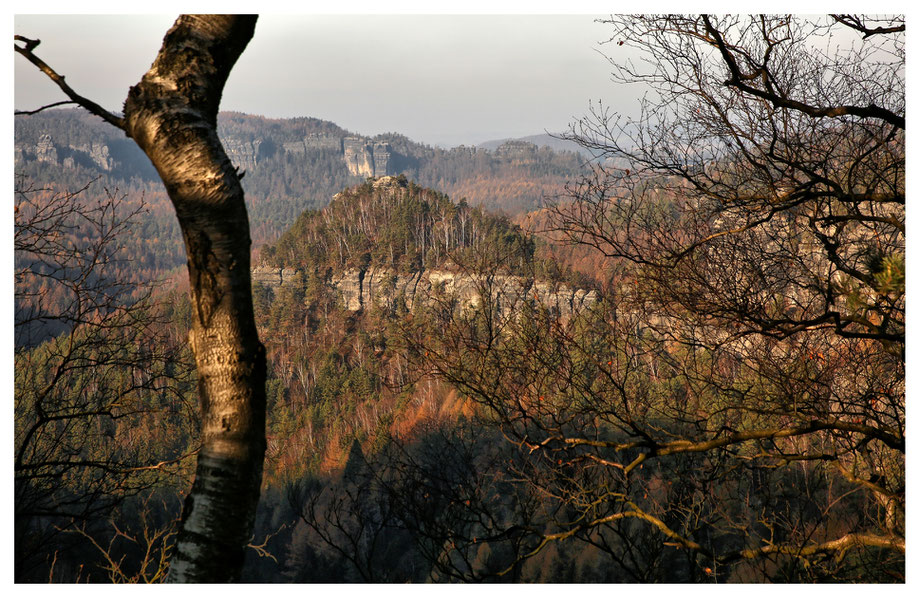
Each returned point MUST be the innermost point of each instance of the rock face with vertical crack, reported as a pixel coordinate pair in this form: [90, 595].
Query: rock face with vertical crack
[367, 159]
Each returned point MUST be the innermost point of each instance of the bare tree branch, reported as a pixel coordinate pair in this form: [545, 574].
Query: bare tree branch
[738, 79]
[93, 107]
[856, 23]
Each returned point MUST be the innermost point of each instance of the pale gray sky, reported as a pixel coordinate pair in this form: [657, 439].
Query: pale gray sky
[439, 79]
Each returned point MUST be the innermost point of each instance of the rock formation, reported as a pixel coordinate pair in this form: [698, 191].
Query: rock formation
[276, 277]
[517, 149]
[318, 141]
[361, 289]
[314, 141]
[99, 153]
[243, 154]
[45, 151]
[367, 159]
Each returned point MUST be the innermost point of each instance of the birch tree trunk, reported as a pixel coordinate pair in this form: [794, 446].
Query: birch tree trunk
[172, 115]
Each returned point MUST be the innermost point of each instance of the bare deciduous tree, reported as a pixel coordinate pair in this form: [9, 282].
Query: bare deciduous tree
[96, 370]
[740, 393]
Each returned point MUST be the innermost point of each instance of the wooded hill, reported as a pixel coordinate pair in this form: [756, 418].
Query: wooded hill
[347, 364]
[397, 224]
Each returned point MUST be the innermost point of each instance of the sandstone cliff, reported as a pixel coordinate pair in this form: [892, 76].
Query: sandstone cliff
[243, 154]
[359, 289]
[366, 159]
[362, 157]
[47, 150]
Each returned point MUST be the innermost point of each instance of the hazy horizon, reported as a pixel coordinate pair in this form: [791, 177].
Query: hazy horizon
[439, 79]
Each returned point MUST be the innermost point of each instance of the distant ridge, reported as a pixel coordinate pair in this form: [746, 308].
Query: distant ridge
[544, 139]
[290, 165]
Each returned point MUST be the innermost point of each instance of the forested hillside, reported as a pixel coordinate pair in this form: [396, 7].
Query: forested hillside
[394, 227]
[389, 420]
[341, 387]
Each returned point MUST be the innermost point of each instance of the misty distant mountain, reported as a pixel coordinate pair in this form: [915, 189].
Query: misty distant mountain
[542, 140]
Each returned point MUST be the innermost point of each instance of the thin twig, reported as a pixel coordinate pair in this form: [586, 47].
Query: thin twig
[37, 110]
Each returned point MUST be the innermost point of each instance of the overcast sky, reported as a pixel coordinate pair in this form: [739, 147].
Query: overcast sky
[439, 79]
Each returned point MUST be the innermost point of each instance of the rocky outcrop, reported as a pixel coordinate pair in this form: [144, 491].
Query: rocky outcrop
[381, 154]
[313, 142]
[362, 156]
[98, 153]
[45, 151]
[318, 141]
[383, 288]
[356, 157]
[516, 148]
[276, 277]
[243, 154]
[367, 159]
